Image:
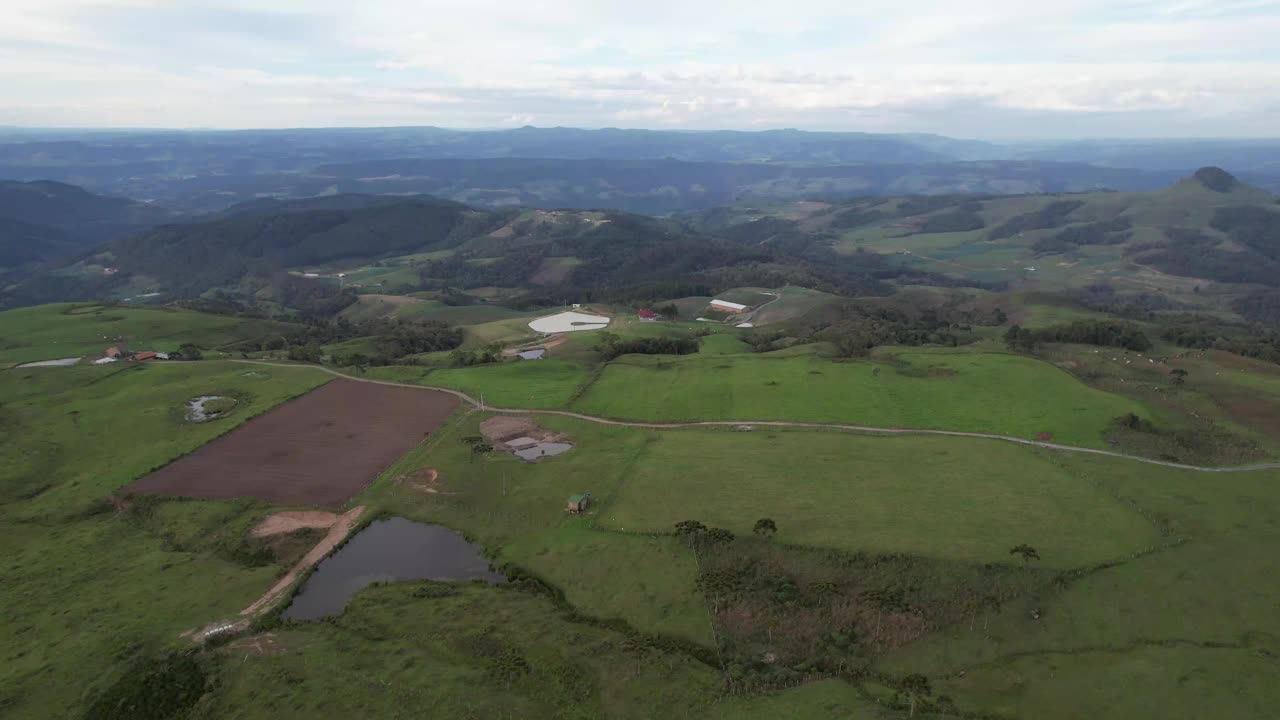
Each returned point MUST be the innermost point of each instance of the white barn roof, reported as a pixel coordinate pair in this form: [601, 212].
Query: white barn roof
[727, 305]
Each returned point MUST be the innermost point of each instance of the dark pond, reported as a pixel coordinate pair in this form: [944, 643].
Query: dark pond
[388, 550]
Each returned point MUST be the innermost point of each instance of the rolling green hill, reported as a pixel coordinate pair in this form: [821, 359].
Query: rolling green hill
[1208, 242]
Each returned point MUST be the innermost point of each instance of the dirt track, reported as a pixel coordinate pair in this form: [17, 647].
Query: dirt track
[319, 449]
[337, 532]
[779, 423]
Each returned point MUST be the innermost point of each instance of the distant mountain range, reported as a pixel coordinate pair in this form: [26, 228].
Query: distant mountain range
[636, 170]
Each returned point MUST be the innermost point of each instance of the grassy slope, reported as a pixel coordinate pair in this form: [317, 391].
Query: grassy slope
[1186, 632]
[529, 383]
[977, 499]
[1034, 397]
[86, 588]
[68, 330]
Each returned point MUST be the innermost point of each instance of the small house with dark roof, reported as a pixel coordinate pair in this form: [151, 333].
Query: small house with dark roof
[647, 315]
[579, 503]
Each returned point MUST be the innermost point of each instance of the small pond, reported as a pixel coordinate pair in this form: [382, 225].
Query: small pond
[543, 449]
[386, 551]
[197, 411]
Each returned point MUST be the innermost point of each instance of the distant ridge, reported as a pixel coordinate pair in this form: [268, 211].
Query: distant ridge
[1216, 179]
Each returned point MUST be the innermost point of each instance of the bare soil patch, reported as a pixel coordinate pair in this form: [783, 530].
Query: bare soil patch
[319, 449]
[502, 428]
[264, 645]
[522, 438]
[425, 480]
[283, 523]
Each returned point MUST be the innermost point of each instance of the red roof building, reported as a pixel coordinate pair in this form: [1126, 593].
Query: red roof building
[144, 356]
[647, 314]
[112, 352]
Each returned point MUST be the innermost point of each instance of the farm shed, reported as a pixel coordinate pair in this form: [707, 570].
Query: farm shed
[727, 306]
[112, 352]
[647, 315]
[579, 503]
[144, 356]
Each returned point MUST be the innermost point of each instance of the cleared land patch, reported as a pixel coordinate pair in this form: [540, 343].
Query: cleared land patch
[317, 450]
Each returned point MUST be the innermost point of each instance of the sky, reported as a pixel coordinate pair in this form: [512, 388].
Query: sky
[995, 69]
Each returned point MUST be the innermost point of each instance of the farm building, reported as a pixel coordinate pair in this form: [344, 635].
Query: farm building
[579, 503]
[106, 360]
[144, 356]
[647, 315]
[112, 352]
[731, 307]
[537, 354]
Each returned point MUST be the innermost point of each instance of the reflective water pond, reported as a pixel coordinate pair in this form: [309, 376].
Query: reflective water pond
[389, 550]
[543, 449]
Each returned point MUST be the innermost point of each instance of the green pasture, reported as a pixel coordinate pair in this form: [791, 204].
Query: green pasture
[790, 302]
[937, 390]
[949, 498]
[473, 653]
[525, 383]
[88, 586]
[66, 330]
[1184, 632]
[458, 314]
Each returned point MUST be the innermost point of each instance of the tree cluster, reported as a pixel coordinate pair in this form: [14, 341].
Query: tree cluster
[1104, 333]
[612, 346]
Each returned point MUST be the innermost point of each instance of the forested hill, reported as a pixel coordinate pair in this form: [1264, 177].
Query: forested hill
[266, 250]
[46, 220]
[1208, 241]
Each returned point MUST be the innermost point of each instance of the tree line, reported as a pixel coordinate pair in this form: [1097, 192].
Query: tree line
[1104, 333]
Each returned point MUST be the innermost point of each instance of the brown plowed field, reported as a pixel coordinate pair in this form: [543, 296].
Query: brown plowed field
[319, 449]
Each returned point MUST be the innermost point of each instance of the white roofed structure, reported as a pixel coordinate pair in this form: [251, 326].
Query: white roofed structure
[729, 306]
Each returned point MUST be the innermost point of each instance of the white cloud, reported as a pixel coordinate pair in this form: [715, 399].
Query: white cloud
[995, 68]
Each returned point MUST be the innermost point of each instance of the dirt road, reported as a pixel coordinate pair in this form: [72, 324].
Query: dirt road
[779, 423]
[337, 532]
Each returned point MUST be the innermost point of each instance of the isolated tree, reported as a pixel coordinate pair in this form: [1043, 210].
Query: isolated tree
[1027, 552]
[1013, 337]
[916, 688]
[668, 311]
[1179, 376]
[189, 351]
[765, 528]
